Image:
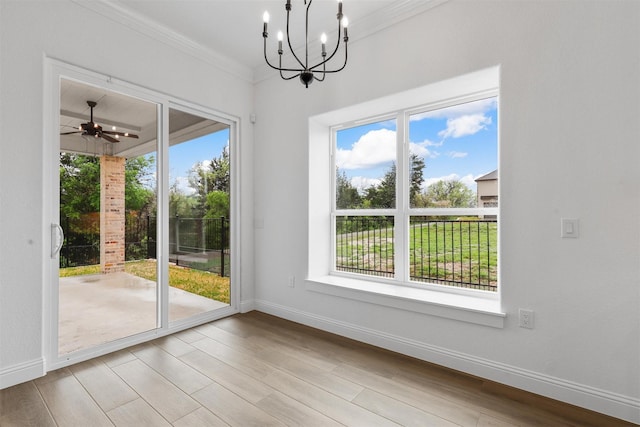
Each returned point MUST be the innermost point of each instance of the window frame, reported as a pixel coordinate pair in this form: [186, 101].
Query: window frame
[478, 308]
[403, 212]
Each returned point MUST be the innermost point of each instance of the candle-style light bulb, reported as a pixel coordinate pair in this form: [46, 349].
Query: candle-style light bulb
[339, 9]
[345, 24]
[265, 19]
[323, 40]
[280, 37]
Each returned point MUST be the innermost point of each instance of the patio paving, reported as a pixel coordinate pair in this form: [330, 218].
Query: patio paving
[95, 309]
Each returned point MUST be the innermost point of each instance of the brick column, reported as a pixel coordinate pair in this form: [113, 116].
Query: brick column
[112, 214]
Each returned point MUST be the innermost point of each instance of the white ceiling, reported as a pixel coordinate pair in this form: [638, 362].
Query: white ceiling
[225, 33]
[228, 33]
[234, 28]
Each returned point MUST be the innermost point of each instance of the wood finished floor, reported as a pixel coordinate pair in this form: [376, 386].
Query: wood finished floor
[257, 370]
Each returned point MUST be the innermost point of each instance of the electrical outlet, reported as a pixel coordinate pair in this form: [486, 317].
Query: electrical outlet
[526, 318]
[292, 281]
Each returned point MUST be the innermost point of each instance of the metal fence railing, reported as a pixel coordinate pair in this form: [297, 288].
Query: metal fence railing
[201, 243]
[455, 252]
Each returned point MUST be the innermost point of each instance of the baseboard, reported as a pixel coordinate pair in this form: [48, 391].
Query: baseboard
[22, 372]
[247, 306]
[602, 401]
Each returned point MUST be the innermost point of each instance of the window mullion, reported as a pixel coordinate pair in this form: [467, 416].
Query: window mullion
[401, 246]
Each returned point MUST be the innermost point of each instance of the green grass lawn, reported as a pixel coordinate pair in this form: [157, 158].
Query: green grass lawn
[449, 252]
[464, 251]
[191, 280]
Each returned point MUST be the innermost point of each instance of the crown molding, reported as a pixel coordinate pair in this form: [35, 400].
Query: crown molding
[376, 21]
[113, 10]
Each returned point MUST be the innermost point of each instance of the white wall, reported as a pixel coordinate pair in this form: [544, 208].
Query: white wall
[72, 33]
[569, 109]
[569, 128]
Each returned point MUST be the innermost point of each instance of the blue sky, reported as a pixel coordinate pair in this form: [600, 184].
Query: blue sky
[183, 156]
[458, 142]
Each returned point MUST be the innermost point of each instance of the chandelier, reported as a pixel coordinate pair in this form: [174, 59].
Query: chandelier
[307, 73]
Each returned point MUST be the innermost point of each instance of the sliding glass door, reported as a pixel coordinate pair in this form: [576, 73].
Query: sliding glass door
[107, 209]
[142, 232]
[199, 215]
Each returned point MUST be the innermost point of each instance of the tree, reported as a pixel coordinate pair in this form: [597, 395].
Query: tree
[416, 178]
[347, 196]
[180, 204]
[449, 194]
[80, 184]
[383, 195]
[217, 204]
[138, 195]
[210, 176]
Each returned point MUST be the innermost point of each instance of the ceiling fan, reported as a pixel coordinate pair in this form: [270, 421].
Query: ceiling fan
[93, 129]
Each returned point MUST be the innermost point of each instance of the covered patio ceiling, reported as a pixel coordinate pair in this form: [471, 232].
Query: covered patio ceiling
[126, 114]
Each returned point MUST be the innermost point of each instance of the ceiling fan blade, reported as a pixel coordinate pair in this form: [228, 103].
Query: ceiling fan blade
[127, 135]
[70, 133]
[108, 138]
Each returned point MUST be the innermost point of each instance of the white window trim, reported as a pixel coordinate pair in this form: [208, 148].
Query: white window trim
[474, 306]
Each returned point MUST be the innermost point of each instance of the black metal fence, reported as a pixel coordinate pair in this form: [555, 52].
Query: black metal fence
[201, 243]
[365, 245]
[455, 252]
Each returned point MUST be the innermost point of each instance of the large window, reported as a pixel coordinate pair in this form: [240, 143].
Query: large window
[416, 195]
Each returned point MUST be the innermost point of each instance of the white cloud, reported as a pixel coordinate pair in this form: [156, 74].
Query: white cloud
[361, 183]
[421, 150]
[182, 185]
[374, 148]
[465, 125]
[205, 165]
[457, 154]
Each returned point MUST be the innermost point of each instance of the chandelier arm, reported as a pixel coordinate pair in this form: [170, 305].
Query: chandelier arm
[335, 50]
[306, 36]
[289, 78]
[265, 55]
[280, 69]
[337, 70]
[324, 73]
[294, 70]
[289, 43]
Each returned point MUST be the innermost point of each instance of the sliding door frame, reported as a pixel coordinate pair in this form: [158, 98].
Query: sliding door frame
[54, 71]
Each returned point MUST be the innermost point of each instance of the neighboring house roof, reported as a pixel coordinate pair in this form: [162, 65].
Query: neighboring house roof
[488, 177]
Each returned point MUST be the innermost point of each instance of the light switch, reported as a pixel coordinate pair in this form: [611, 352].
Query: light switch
[569, 228]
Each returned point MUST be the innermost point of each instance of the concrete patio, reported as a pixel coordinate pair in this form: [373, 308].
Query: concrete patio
[95, 309]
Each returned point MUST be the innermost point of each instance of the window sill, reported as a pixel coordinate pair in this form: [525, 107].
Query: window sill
[465, 308]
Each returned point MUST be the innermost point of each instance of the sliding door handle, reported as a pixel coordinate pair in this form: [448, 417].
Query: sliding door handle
[57, 239]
